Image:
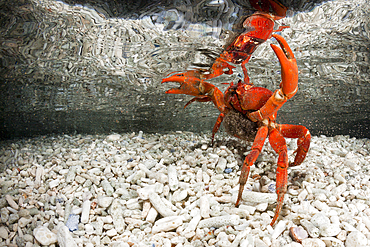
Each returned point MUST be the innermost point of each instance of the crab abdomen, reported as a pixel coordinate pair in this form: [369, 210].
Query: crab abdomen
[239, 125]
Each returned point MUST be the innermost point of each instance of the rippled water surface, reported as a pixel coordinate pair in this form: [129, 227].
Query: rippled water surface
[69, 67]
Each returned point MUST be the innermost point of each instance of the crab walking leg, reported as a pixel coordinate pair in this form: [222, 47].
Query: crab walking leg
[245, 71]
[217, 125]
[259, 140]
[303, 142]
[202, 98]
[277, 142]
[220, 67]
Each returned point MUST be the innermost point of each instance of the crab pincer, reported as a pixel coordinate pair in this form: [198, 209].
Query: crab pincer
[191, 85]
[289, 69]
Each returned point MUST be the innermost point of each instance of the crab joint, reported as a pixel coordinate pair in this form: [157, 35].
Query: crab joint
[272, 105]
[290, 95]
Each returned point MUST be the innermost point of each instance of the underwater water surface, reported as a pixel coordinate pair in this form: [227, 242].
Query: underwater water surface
[74, 68]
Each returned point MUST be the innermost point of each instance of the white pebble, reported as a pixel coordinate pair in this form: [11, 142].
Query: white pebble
[206, 178]
[65, 238]
[319, 220]
[105, 201]
[107, 187]
[173, 181]
[44, 235]
[241, 235]
[118, 244]
[313, 242]
[258, 242]
[190, 229]
[204, 207]
[279, 228]
[248, 241]
[222, 240]
[312, 230]
[113, 137]
[356, 239]
[337, 192]
[89, 229]
[179, 195]
[150, 163]
[71, 174]
[116, 212]
[199, 176]
[4, 232]
[160, 206]
[262, 207]
[342, 235]
[302, 195]
[366, 221]
[190, 160]
[11, 202]
[133, 203]
[339, 177]
[111, 232]
[22, 222]
[248, 208]
[146, 208]
[320, 205]
[167, 224]
[221, 165]
[107, 219]
[257, 197]
[39, 173]
[152, 215]
[329, 230]
[219, 221]
[146, 191]
[54, 183]
[85, 211]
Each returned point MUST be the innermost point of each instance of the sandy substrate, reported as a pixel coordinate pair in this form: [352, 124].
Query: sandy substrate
[176, 190]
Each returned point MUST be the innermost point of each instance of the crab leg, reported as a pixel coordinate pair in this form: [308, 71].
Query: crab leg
[245, 71]
[304, 138]
[220, 67]
[259, 140]
[277, 142]
[288, 85]
[202, 98]
[217, 126]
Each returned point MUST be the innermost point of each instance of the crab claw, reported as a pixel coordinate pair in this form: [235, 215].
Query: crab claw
[288, 85]
[289, 68]
[202, 90]
[189, 85]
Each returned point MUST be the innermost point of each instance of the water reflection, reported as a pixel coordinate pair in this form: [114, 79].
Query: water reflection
[69, 67]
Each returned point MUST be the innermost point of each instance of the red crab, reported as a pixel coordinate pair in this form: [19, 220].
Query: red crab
[250, 112]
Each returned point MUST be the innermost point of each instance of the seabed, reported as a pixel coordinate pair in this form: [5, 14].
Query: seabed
[176, 190]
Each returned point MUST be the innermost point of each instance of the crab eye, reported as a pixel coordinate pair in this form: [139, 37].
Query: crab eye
[247, 87]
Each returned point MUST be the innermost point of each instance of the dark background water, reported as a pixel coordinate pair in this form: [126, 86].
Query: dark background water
[96, 66]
